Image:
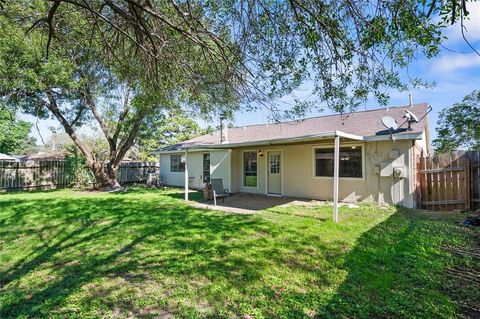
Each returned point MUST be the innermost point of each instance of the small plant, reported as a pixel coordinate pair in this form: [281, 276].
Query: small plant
[76, 169]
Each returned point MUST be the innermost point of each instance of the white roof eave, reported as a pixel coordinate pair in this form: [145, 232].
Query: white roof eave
[305, 138]
[396, 137]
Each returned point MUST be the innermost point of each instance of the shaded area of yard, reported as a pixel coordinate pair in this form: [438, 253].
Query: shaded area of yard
[248, 203]
[145, 254]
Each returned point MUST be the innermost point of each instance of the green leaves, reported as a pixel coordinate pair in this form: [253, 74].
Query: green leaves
[13, 133]
[375, 33]
[217, 55]
[165, 129]
[459, 126]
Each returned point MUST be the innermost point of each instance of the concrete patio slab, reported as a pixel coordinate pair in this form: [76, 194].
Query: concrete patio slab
[244, 203]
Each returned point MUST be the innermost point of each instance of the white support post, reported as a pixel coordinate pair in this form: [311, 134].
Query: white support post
[186, 174]
[336, 162]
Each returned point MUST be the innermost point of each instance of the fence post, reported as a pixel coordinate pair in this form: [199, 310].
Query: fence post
[468, 181]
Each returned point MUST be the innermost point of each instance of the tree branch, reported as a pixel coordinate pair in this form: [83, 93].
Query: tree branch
[130, 139]
[53, 107]
[123, 115]
[51, 29]
[91, 105]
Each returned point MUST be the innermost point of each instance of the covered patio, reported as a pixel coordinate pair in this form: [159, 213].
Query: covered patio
[249, 203]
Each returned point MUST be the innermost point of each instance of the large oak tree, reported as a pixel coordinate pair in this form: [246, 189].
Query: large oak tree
[89, 76]
[116, 62]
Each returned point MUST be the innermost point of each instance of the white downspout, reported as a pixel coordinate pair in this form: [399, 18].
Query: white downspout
[230, 170]
[411, 178]
[336, 162]
[186, 174]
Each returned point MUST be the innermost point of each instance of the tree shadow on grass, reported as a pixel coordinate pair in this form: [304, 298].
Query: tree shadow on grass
[74, 243]
[400, 268]
[126, 256]
[192, 195]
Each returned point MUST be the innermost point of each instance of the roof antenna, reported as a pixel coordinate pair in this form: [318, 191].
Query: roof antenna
[412, 118]
[410, 99]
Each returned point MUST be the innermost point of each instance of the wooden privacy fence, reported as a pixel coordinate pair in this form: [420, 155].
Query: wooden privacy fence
[447, 182]
[48, 174]
[136, 172]
[474, 160]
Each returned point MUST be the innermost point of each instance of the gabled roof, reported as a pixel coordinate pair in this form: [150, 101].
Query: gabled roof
[362, 125]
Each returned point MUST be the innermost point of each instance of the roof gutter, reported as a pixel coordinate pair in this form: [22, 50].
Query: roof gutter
[305, 138]
[279, 141]
[398, 136]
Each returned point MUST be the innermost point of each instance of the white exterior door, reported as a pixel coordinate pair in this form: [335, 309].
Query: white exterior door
[274, 173]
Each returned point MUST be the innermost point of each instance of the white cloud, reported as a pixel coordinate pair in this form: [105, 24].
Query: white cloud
[472, 26]
[453, 62]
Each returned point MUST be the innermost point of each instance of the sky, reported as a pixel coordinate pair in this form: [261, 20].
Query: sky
[455, 72]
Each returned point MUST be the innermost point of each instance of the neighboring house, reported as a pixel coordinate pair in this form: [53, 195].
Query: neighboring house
[43, 156]
[297, 159]
[7, 158]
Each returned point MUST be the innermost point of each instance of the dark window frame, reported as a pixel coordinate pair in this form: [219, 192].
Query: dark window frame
[351, 162]
[249, 164]
[177, 163]
[206, 176]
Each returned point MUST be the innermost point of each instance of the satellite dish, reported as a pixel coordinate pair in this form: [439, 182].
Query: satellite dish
[409, 115]
[411, 119]
[390, 123]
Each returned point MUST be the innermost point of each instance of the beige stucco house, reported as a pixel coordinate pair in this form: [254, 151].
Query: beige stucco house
[298, 158]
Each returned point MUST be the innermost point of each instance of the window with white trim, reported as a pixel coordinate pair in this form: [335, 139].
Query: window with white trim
[177, 163]
[206, 167]
[350, 162]
[274, 160]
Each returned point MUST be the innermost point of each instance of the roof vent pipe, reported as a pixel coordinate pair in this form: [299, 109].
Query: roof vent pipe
[410, 99]
[223, 129]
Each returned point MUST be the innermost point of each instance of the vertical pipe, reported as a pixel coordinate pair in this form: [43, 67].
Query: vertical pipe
[336, 162]
[229, 170]
[186, 174]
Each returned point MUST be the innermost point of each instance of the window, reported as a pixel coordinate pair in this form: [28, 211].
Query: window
[350, 161]
[177, 163]
[250, 169]
[274, 163]
[206, 167]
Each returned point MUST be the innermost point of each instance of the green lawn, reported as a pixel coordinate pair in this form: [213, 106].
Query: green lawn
[66, 254]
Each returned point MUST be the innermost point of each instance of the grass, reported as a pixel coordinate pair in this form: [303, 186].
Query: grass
[250, 181]
[146, 254]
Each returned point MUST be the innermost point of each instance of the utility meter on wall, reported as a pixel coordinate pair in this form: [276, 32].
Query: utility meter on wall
[399, 171]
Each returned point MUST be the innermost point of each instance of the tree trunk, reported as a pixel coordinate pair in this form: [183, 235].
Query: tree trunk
[105, 176]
